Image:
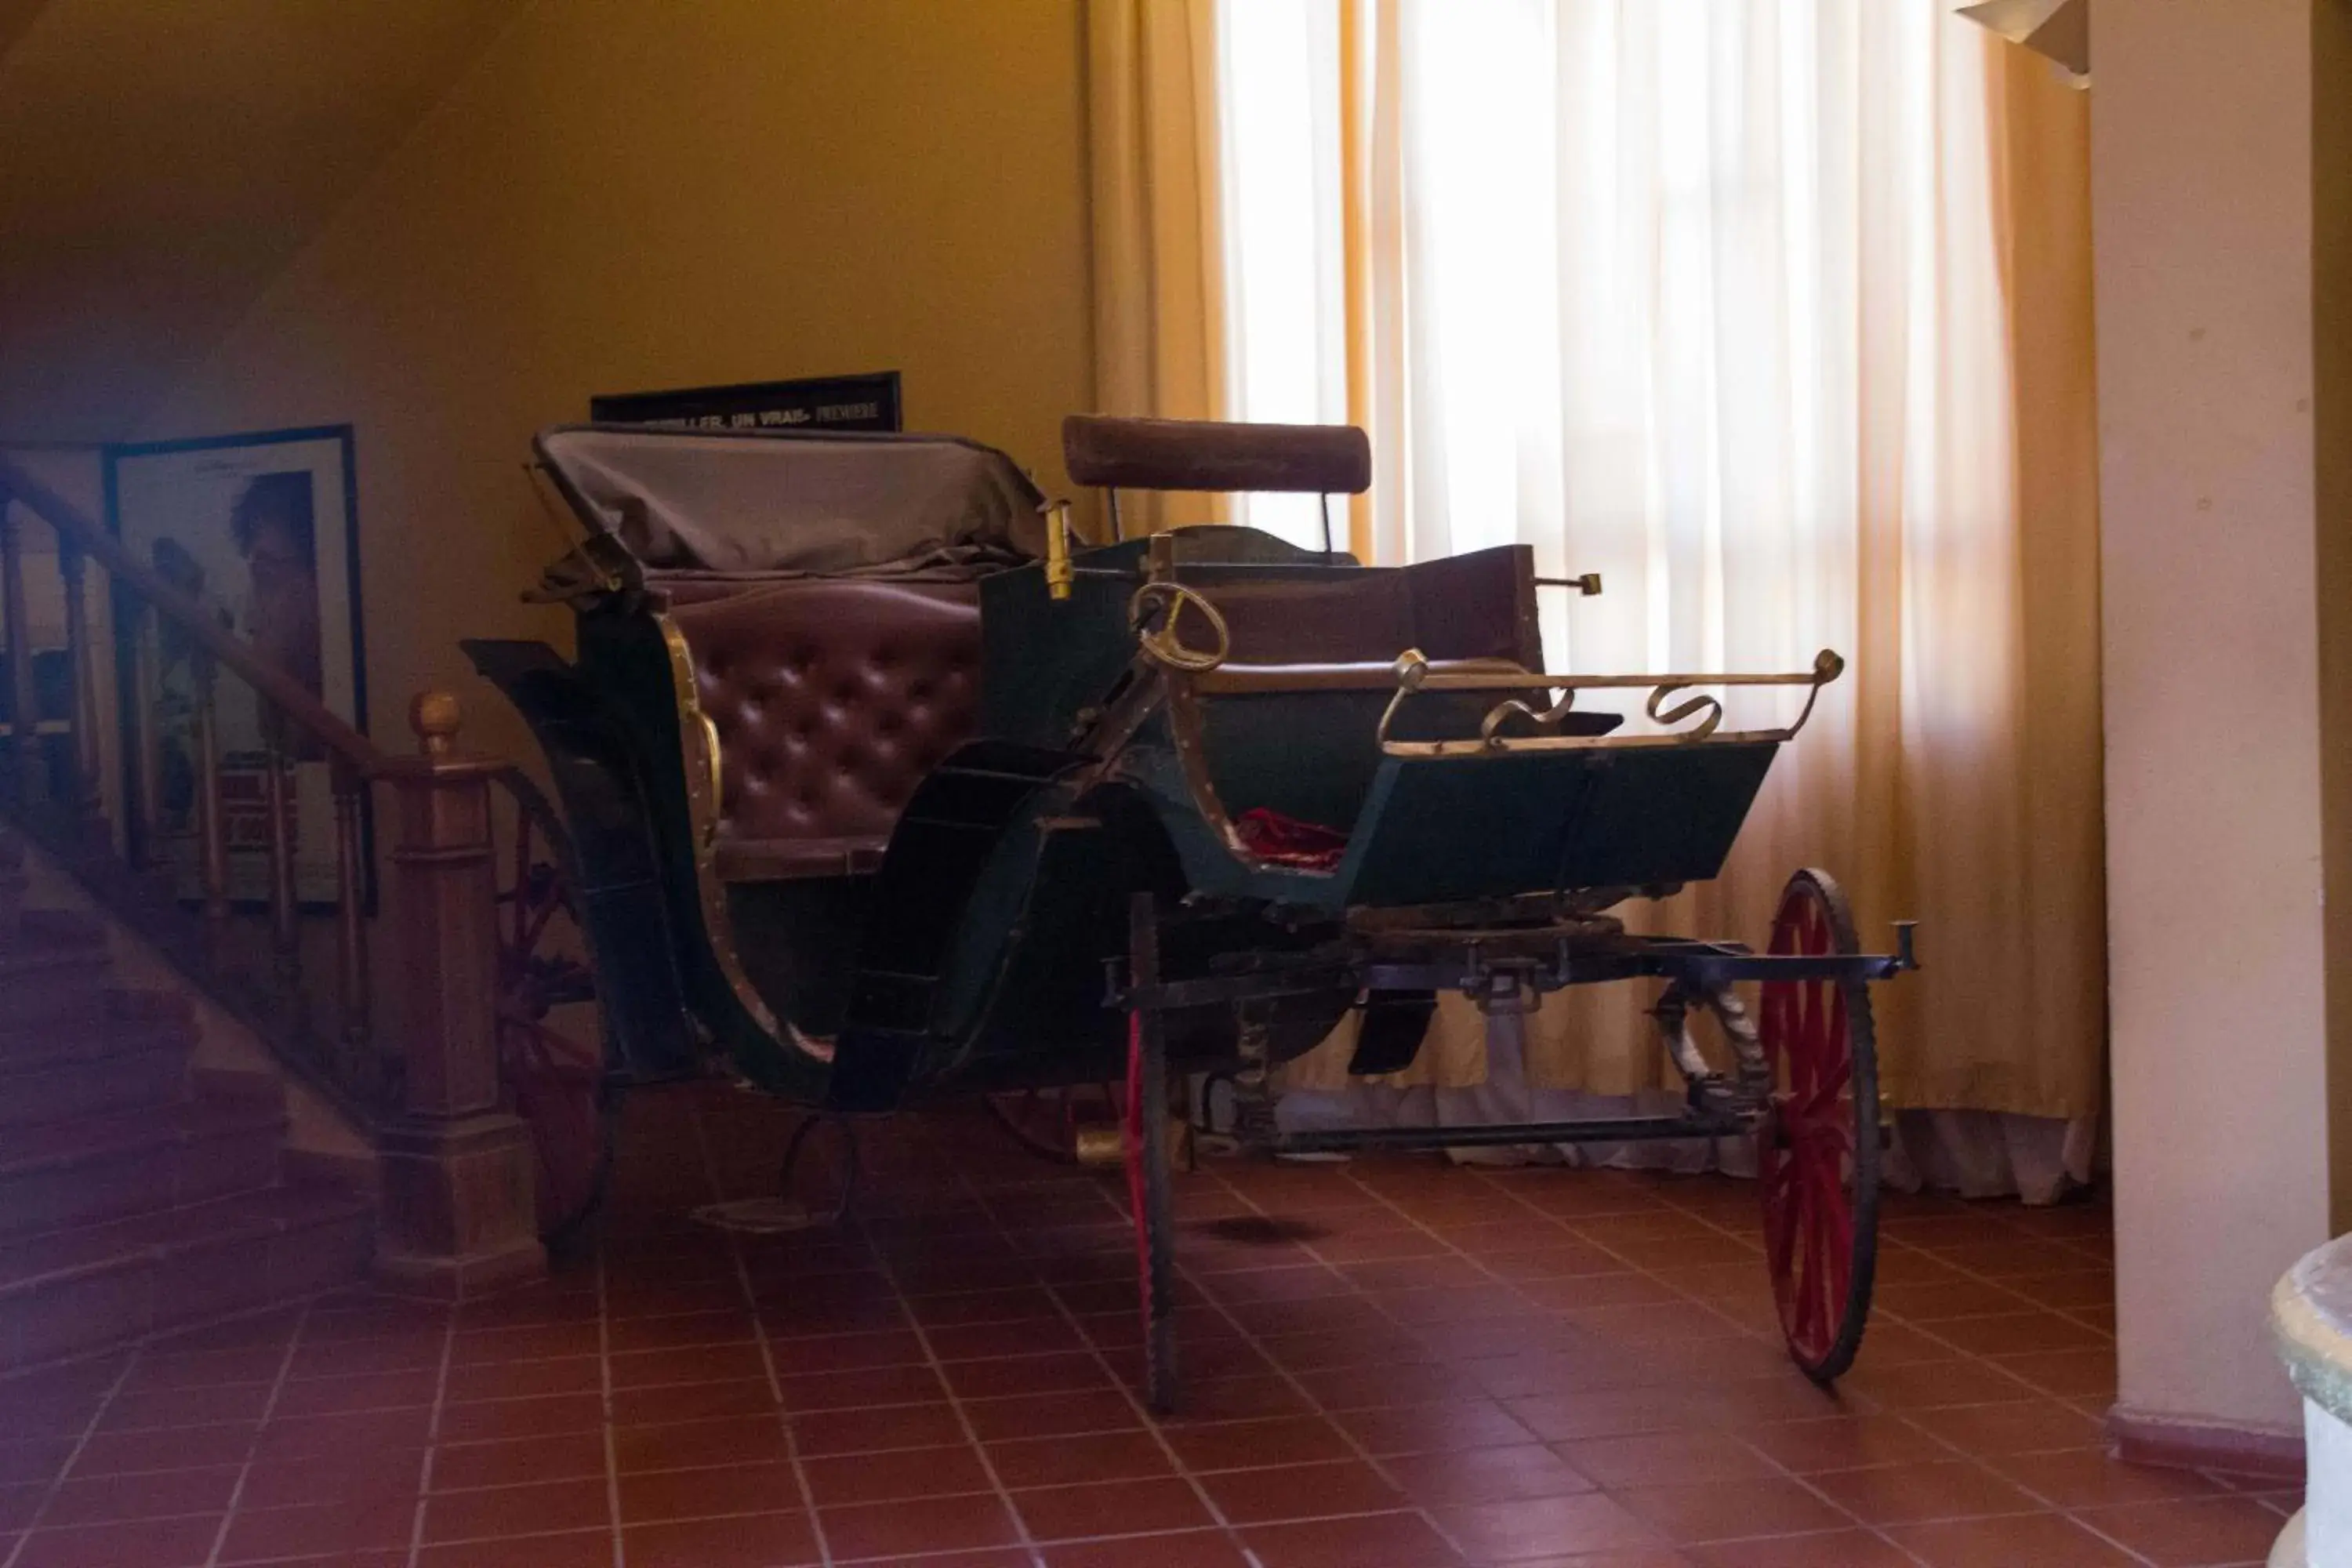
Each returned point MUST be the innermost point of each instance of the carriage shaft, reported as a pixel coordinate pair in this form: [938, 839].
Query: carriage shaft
[1597, 1129]
[1697, 963]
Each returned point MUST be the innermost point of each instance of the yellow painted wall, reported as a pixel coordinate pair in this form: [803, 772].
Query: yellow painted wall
[621, 196]
[163, 164]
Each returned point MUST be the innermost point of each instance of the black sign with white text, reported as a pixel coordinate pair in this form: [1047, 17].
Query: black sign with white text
[827, 403]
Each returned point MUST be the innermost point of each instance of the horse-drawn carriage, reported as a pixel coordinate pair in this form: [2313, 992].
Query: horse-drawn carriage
[876, 786]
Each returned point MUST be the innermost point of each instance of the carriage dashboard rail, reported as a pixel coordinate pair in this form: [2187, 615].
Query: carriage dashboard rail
[1415, 674]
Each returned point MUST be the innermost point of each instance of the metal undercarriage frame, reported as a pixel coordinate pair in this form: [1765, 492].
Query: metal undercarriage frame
[1509, 969]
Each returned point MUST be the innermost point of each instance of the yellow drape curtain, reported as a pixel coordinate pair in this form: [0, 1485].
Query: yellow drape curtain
[2042, 218]
[1158, 268]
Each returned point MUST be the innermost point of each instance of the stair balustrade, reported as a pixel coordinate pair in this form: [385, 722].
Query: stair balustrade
[456, 1166]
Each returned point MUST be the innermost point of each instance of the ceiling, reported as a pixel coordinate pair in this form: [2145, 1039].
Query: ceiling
[164, 163]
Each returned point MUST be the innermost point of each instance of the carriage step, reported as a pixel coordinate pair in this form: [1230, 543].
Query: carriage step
[14, 883]
[43, 952]
[122, 1072]
[75, 1291]
[53, 963]
[105, 1168]
[1608, 1130]
[70, 1007]
[106, 1021]
[47, 934]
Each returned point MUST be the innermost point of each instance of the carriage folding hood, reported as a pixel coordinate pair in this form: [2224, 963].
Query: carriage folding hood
[789, 503]
[689, 515]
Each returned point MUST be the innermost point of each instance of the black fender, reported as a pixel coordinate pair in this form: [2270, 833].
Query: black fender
[616, 874]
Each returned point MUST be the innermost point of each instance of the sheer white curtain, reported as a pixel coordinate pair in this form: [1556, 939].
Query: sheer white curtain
[1705, 296]
[1279, 168]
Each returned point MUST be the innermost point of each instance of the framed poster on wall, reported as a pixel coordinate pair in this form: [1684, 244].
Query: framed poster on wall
[868, 402]
[261, 531]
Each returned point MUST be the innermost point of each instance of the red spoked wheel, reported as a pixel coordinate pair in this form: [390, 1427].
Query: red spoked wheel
[1817, 1147]
[1151, 1199]
[1047, 1121]
[554, 1074]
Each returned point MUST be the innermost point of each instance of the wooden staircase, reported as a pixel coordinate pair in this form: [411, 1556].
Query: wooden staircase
[138, 1189]
[138, 1194]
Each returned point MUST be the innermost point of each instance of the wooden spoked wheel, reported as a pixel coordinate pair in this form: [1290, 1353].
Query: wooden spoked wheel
[1150, 1198]
[1047, 1121]
[553, 1072]
[1151, 1181]
[1817, 1147]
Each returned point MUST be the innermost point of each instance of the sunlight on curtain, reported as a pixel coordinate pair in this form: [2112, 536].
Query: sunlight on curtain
[1287, 355]
[1708, 296]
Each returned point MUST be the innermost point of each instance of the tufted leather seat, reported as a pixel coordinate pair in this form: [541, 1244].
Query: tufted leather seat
[833, 697]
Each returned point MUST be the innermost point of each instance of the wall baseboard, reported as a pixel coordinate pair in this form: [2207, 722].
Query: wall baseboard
[2146, 1439]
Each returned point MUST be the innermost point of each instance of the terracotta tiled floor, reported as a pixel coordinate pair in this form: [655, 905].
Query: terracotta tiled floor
[1392, 1364]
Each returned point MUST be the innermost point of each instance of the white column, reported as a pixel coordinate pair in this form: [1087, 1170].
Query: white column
[2202, 172]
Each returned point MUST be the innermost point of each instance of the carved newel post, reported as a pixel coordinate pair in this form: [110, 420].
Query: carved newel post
[458, 1216]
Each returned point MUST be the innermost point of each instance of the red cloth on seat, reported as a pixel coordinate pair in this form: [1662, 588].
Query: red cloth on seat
[1280, 840]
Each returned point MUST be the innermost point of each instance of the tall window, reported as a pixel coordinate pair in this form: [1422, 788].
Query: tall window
[1658, 286]
[1286, 352]
[1709, 297]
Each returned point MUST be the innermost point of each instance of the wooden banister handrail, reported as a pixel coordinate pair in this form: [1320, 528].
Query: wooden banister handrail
[305, 711]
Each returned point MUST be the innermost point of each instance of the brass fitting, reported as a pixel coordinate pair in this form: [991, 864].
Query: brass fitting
[1102, 1145]
[1059, 575]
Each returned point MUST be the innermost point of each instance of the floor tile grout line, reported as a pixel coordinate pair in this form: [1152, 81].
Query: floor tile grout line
[2002, 1283]
[73, 1455]
[1867, 1405]
[1647, 1271]
[161, 1337]
[750, 1298]
[432, 1437]
[253, 1444]
[1029, 1238]
[1928, 1328]
[963, 1418]
[1569, 1225]
[1299, 1386]
[1893, 1237]
[310, 1560]
[2048, 1505]
[1438, 1237]
[605, 1402]
[1184, 1470]
[1928, 1332]
[1656, 1273]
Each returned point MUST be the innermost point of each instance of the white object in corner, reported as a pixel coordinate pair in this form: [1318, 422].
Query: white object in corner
[2311, 1314]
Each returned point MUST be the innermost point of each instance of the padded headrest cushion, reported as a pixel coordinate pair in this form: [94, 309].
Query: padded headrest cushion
[1208, 454]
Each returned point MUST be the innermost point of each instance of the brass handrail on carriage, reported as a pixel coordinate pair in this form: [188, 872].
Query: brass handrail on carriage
[1415, 674]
